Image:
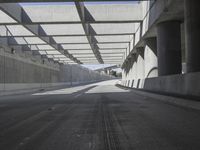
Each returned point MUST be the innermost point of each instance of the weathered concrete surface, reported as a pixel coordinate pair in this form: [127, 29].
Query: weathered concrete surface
[22, 72]
[97, 117]
[150, 62]
[174, 44]
[182, 85]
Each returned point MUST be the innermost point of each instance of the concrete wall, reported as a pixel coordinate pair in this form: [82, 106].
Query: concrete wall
[186, 85]
[22, 72]
[143, 73]
[141, 69]
[150, 63]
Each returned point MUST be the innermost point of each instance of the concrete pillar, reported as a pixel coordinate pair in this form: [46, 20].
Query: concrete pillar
[192, 31]
[169, 48]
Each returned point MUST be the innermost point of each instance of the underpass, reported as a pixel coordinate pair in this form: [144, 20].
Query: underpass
[99, 75]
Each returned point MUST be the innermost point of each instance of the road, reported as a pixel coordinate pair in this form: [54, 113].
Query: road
[95, 117]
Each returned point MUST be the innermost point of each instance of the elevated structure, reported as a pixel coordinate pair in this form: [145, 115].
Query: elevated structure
[46, 46]
[165, 57]
[155, 42]
[74, 32]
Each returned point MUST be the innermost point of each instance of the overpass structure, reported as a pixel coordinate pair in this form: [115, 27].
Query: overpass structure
[165, 56]
[154, 41]
[48, 100]
[76, 32]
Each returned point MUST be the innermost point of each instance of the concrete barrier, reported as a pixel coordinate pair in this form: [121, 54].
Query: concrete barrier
[20, 73]
[187, 85]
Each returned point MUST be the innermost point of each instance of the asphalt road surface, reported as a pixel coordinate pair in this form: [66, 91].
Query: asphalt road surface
[95, 117]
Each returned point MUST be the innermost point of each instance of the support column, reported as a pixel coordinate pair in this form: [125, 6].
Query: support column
[192, 31]
[169, 48]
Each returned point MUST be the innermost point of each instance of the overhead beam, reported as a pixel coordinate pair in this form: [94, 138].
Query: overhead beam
[111, 60]
[13, 42]
[87, 29]
[89, 56]
[27, 22]
[20, 1]
[16, 12]
[112, 57]
[23, 19]
[101, 53]
[112, 49]
[41, 35]
[99, 49]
